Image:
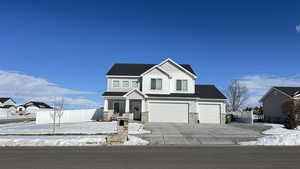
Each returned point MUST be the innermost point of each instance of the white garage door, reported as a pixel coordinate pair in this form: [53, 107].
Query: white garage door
[168, 112]
[209, 113]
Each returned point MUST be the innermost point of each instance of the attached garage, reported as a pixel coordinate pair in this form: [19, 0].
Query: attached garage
[168, 112]
[209, 113]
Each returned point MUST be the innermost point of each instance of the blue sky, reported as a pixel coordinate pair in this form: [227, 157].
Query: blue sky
[66, 47]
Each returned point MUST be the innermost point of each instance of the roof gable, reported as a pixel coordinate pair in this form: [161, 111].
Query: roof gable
[171, 62]
[5, 99]
[135, 94]
[155, 71]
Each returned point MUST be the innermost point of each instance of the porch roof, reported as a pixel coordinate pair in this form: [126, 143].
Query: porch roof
[114, 93]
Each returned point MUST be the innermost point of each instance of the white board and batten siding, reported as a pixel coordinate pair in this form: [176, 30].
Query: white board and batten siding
[69, 116]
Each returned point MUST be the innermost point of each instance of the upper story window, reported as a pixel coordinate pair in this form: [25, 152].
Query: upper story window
[125, 83]
[181, 85]
[156, 84]
[116, 83]
[135, 84]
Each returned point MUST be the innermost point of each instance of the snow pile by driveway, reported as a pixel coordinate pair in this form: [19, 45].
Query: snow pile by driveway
[133, 140]
[277, 135]
[67, 128]
[52, 140]
[136, 128]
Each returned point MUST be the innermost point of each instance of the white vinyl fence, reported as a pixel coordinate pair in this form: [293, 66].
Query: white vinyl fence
[70, 116]
[243, 116]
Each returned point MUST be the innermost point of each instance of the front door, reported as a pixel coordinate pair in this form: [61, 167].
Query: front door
[135, 108]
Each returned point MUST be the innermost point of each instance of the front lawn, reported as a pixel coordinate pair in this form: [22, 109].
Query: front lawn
[68, 134]
[69, 128]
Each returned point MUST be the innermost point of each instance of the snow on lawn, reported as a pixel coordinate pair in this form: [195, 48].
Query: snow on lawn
[11, 141]
[277, 135]
[52, 140]
[74, 128]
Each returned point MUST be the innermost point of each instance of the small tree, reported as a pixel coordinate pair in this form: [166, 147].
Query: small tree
[60, 110]
[291, 107]
[53, 115]
[237, 95]
[57, 111]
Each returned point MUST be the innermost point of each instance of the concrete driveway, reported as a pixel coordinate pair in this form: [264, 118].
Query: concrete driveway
[187, 134]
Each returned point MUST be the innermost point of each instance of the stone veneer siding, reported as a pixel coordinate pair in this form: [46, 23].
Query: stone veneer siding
[193, 118]
[223, 116]
[105, 116]
[145, 116]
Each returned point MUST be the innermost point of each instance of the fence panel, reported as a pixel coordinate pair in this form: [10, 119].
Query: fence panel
[243, 116]
[70, 116]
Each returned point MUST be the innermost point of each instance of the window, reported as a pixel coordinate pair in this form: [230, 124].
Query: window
[116, 83]
[156, 84]
[125, 84]
[135, 84]
[181, 85]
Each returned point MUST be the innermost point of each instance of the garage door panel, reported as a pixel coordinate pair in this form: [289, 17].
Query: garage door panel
[209, 113]
[168, 112]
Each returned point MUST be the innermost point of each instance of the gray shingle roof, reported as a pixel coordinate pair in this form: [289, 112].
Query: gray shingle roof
[291, 91]
[37, 104]
[201, 91]
[209, 92]
[137, 69]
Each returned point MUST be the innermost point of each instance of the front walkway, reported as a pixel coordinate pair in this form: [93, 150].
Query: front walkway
[199, 134]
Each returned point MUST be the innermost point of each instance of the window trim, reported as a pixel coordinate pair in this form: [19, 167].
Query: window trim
[187, 88]
[127, 83]
[116, 81]
[161, 85]
[137, 84]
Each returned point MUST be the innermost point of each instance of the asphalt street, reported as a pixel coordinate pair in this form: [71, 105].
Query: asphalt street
[150, 157]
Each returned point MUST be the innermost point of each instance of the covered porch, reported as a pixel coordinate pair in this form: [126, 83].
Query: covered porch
[131, 104]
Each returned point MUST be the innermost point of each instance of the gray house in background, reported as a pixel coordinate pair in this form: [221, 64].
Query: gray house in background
[273, 100]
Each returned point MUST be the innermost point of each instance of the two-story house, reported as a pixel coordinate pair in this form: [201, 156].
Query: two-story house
[164, 92]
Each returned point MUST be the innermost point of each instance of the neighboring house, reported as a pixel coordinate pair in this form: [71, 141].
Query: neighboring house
[7, 105]
[33, 107]
[7, 101]
[272, 103]
[164, 92]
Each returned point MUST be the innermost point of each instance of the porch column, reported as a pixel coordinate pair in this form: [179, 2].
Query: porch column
[105, 105]
[143, 105]
[127, 106]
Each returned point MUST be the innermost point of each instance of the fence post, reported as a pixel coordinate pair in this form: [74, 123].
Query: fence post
[252, 117]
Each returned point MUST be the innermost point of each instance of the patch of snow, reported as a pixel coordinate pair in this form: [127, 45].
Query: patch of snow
[52, 140]
[277, 135]
[137, 128]
[133, 140]
[74, 128]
